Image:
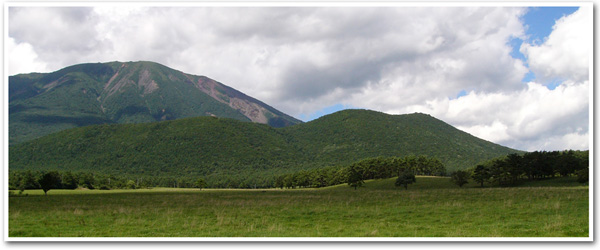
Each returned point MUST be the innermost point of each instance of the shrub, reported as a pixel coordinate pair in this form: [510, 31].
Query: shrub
[583, 175]
[460, 177]
[130, 184]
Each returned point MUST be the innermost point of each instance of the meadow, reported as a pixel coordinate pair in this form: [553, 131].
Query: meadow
[432, 207]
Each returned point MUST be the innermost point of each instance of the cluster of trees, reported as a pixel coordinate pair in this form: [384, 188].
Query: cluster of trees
[21, 180]
[356, 173]
[514, 168]
[505, 171]
[46, 180]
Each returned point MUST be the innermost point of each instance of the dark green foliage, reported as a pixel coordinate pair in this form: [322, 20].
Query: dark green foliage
[105, 93]
[87, 180]
[351, 135]
[404, 178]
[49, 181]
[460, 177]
[229, 153]
[513, 169]
[200, 183]
[130, 184]
[355, 178]
[29, 181]
[356, 173]
[583, 175]
[481, 174]
[68, 181]
[568, 163]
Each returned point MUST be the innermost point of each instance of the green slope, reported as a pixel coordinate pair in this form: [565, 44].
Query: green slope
[221, 148]
[351, 135]
[116, 92]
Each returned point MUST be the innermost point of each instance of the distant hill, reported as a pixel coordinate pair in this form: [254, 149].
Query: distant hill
[352, 135]
[123, 92]
[226, 148]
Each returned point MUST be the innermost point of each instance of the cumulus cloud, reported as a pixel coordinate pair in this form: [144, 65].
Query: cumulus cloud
[60, 36]
[534, 118]
[302, 59]
[286, 55]
[565, 54]
[23, 58]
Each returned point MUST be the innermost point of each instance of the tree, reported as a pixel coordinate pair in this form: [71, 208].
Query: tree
[288, 181]
[405, 178]
[499, 172]
[567, 163]
[87, 180]
[583, 175]
[355, 179]
[514, 167]
[28, 181]
[460, 177]
[49, 180]
[69, 181]
[481, 174]
[437, 167]
[200, 183]
[422, 165]
[279, 181]
[130, 184]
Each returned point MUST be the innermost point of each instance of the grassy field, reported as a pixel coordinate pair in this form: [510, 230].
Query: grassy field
[432, 207]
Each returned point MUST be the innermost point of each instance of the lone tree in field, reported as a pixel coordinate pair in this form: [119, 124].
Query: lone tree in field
[355, 179]
[460, 177]
[50, 180]
[404, 178]
[481, 174]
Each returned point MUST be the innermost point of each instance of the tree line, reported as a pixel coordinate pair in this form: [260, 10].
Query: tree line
[46, 180]
[505, 171]
[356, 173]
[370, 168]
[516, 168]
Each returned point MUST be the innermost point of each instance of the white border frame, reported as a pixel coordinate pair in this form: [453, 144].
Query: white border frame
[5, 111]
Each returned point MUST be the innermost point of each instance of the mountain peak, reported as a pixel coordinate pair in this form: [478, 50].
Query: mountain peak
[124, 92]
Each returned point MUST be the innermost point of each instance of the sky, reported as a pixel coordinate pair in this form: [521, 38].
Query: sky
[517, 76]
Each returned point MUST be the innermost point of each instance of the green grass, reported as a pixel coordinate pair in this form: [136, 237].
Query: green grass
[432, 207]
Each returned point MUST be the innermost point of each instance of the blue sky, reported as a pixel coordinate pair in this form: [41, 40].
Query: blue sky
[538, 21]
[460, 65]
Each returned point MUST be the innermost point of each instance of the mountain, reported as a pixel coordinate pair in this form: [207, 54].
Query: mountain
[217, 148]
[357, 134]
[123, 92]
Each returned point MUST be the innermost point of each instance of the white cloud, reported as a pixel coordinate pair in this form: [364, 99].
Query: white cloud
[287, 56]
[60, 36]
[531, 119]
[22, 58]
[300, 60]
[566, 52]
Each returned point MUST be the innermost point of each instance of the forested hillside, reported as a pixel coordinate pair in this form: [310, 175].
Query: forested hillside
[352, 135]
[123, 92]
[220, 148]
